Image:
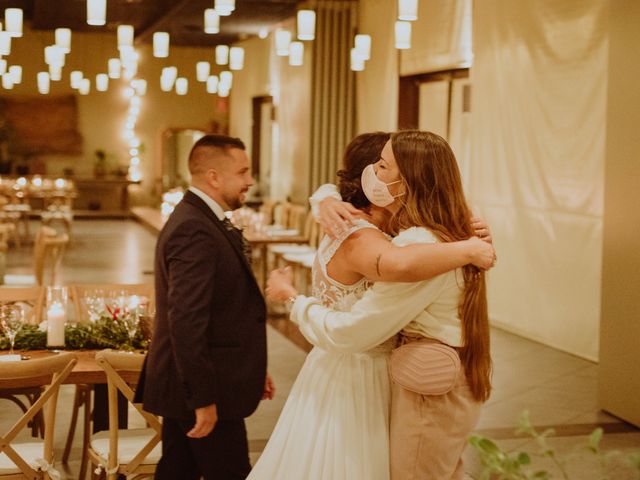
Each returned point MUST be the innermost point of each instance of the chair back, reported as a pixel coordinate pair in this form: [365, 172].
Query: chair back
[115, 364]
[297, 215]
[80, 291]
[48, 372]
[30, 299]
[281, 213]
[266, 208]
[48, 249]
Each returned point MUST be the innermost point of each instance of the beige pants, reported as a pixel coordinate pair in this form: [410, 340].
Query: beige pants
[429, 432]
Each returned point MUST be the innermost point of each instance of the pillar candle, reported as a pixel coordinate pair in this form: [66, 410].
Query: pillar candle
[56, 318]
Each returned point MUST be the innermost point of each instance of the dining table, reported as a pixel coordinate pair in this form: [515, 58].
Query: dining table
[261, 240]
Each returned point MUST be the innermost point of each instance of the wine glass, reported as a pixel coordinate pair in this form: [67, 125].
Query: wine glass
[130, 321]
[93, 300]
[11, 319]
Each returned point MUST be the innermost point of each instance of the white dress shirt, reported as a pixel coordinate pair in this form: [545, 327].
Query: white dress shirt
[213, 205]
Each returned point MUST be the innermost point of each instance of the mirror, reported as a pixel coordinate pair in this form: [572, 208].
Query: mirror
[176, 145]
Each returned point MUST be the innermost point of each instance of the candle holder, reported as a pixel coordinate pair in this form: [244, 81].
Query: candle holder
[57, 298]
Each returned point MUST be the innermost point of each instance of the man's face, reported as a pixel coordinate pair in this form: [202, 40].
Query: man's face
[234, 178]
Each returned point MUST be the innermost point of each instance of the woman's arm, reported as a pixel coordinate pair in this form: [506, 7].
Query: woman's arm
[370, 253]
[383, 311]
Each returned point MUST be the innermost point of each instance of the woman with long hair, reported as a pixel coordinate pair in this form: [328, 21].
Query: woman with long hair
[418, 182]
[334, 425]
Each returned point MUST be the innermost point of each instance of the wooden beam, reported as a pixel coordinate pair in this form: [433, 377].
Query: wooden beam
[155, 24]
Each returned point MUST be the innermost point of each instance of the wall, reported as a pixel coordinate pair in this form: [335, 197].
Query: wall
[102, 115]
[619, 382]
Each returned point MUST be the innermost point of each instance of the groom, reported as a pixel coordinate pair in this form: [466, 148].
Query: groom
[206, 366]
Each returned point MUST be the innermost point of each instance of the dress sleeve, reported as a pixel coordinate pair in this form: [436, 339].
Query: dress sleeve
[324, 191]
[384, 310]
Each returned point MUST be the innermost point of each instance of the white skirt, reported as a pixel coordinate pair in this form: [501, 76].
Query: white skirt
[335, 423]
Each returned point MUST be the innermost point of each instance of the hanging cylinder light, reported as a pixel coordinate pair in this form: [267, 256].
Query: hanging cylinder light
[125, 37]
[85, 86]
[236, 58]
[202, 71]
[76, 78]
[357, 61]
[3, 66]
[222, 55]
[5, 43]
[211, 21]
[363, 45]
[140, 86]
[223, 90]
[44, 84]
[63, 39]
[403, 35]
[13, 22]
[182, 86]
[102, 82]
[306, 23]
[408, 10]
[212, 84]
[7, 81]
[283, 39]
[113, 67]
[161, 44]
[97, 12]
[224, 7]
[167, 78]
[296, 54]
[55, 73]
[16, 74]
[54, 56]
[226, 78]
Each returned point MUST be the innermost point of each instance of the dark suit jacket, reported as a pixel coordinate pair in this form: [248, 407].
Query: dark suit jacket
[209, 340]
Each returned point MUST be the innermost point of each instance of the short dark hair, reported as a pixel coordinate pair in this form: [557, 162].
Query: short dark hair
[363, 150]
[219, 142]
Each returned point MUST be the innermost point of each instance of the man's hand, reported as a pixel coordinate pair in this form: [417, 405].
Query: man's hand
[206, 418]
[269, 388]
[481, 229]
[280, 285]
[336, 216]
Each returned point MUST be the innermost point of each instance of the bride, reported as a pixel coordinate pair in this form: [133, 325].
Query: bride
[334, 425]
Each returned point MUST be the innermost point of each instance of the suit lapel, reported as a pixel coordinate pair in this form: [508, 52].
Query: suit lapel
[197, 202]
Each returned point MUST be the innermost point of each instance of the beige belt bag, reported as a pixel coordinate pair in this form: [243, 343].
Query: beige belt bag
[425, 367]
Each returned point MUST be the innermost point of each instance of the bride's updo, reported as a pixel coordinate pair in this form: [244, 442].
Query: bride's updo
[362, 150]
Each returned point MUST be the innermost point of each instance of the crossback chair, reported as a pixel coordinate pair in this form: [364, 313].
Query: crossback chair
[132, 452]
[31, 300]
[33, 460]
[82, 398]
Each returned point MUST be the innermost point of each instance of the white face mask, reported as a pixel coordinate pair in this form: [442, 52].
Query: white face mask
[375, 189]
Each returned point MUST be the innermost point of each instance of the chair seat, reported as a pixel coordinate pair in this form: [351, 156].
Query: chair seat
[30, 452]
[129, 444]
[285, 248]
[304, 259]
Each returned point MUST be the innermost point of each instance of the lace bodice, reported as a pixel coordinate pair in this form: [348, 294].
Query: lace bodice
[330, 292]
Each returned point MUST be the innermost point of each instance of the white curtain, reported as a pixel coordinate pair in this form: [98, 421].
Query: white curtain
[536, 168]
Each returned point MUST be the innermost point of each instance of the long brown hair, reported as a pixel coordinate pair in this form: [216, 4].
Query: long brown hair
[435, 199]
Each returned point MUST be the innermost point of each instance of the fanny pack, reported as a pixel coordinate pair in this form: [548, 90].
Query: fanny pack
[425, 367]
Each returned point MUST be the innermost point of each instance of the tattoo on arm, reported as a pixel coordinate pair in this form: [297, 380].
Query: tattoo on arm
[378, 264]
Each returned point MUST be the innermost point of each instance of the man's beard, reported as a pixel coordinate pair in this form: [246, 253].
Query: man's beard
[234, 202]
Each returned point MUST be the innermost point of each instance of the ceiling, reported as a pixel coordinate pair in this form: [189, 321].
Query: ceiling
[183, 19]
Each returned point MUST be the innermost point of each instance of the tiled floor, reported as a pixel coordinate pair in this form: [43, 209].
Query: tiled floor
[558, 389]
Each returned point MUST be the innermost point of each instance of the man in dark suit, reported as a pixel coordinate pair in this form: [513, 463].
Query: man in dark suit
[206, 367]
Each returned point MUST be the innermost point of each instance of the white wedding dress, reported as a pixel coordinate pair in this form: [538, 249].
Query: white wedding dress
[335, 423]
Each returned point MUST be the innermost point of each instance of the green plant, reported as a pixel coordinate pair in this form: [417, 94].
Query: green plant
[498, 464]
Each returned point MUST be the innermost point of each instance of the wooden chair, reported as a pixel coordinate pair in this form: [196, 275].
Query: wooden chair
[33, 460]
[31, 300]
[133, 452]
[82, 398]
[48, 250]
